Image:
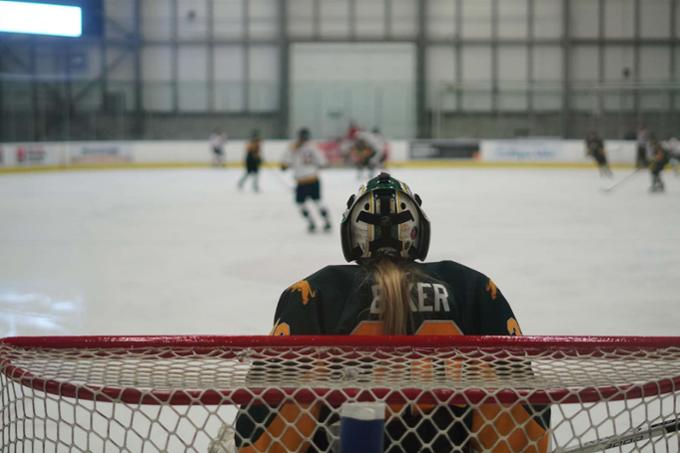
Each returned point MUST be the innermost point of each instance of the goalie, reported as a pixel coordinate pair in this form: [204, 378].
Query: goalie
[385, 230]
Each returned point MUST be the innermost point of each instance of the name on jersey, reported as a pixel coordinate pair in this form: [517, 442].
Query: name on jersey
[425, 298]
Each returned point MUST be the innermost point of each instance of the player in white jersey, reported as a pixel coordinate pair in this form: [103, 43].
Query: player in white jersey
[218, 139]
[673, 146]
[366, 153]
[383, 146]
[305, 159]
[642, 138]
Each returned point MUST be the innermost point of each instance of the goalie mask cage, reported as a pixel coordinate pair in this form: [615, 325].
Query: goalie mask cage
[177, 394]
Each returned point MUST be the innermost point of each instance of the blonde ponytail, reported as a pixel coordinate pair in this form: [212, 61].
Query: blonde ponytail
[393, 278]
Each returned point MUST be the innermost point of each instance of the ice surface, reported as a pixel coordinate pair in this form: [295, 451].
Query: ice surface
[184, 252]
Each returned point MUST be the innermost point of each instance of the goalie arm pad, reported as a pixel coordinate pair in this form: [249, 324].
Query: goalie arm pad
[506, 428]
[499, 428]
[290, 426]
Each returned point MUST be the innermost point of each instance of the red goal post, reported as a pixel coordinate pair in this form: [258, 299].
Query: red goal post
[179, 393]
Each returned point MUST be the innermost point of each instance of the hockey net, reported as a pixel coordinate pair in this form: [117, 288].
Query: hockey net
[167, 394]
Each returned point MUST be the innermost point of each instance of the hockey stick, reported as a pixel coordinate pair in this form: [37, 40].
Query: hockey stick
[619, 440]
[618, 183]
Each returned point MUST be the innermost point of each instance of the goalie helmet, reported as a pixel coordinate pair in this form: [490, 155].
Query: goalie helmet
[384, 218]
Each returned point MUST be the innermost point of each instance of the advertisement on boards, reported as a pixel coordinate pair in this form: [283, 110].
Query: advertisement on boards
[30, 154]
[444, 149]
[100, 153]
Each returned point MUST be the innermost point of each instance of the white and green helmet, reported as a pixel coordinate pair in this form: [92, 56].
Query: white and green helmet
[384, 218]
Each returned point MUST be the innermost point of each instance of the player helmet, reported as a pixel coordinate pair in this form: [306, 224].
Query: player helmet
[303, 134]
[384, 218]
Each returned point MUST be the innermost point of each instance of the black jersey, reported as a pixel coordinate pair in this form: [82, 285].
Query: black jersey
[595, 147]
[660, 159]
[342, 300]
[364, 154]
[447, 298]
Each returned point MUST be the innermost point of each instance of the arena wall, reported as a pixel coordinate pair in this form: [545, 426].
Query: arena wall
[50, 155]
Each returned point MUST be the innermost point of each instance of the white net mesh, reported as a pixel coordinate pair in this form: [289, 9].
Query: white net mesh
[443, 394]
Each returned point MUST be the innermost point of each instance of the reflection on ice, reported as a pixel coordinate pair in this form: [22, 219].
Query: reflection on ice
[37, 314]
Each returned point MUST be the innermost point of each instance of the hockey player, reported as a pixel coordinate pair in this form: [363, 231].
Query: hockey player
[218, 140]
[673, 146]
[253, 161]
[385, 230]
[660, 158]
[306, 160]
[366, 153]
[595, 149]
[383, 147]
[352, 131]
[346, 142]
[642, 138]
